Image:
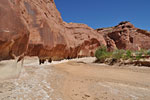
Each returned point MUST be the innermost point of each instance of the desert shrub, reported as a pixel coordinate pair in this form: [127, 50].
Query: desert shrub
[127, 55]
[101, 53]
[143, 51]
[118, 54]
[103, 56]
[148, 52]
[138, 55]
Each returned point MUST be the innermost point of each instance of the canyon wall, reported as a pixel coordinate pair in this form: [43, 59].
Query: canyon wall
[35, 28]
[14, 35]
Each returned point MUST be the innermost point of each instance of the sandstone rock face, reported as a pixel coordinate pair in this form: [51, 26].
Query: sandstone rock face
[13, 33]
[126, 36]
[49, 37]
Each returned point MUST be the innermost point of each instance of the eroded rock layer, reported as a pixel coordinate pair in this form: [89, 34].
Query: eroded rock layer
[50, 37]
[125, 36]
[13, 33]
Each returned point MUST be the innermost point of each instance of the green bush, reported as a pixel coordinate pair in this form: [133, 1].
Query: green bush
[143, 51]
[148, 52]
[138, 55]
[128, 55]
[101, 53]
[118, 54]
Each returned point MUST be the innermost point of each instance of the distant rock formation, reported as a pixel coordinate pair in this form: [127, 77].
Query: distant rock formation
[125, 36]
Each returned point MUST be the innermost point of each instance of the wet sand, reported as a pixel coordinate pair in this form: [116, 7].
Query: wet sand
[77, 80]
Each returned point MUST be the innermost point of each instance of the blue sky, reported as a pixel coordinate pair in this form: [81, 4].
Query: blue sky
[105, 13]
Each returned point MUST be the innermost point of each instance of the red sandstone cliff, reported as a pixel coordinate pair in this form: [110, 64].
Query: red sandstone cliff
[50, 37]
[125, 36]
[13, 32]
[35, 27]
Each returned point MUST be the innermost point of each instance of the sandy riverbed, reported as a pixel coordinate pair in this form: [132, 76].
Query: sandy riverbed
[78, 79]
